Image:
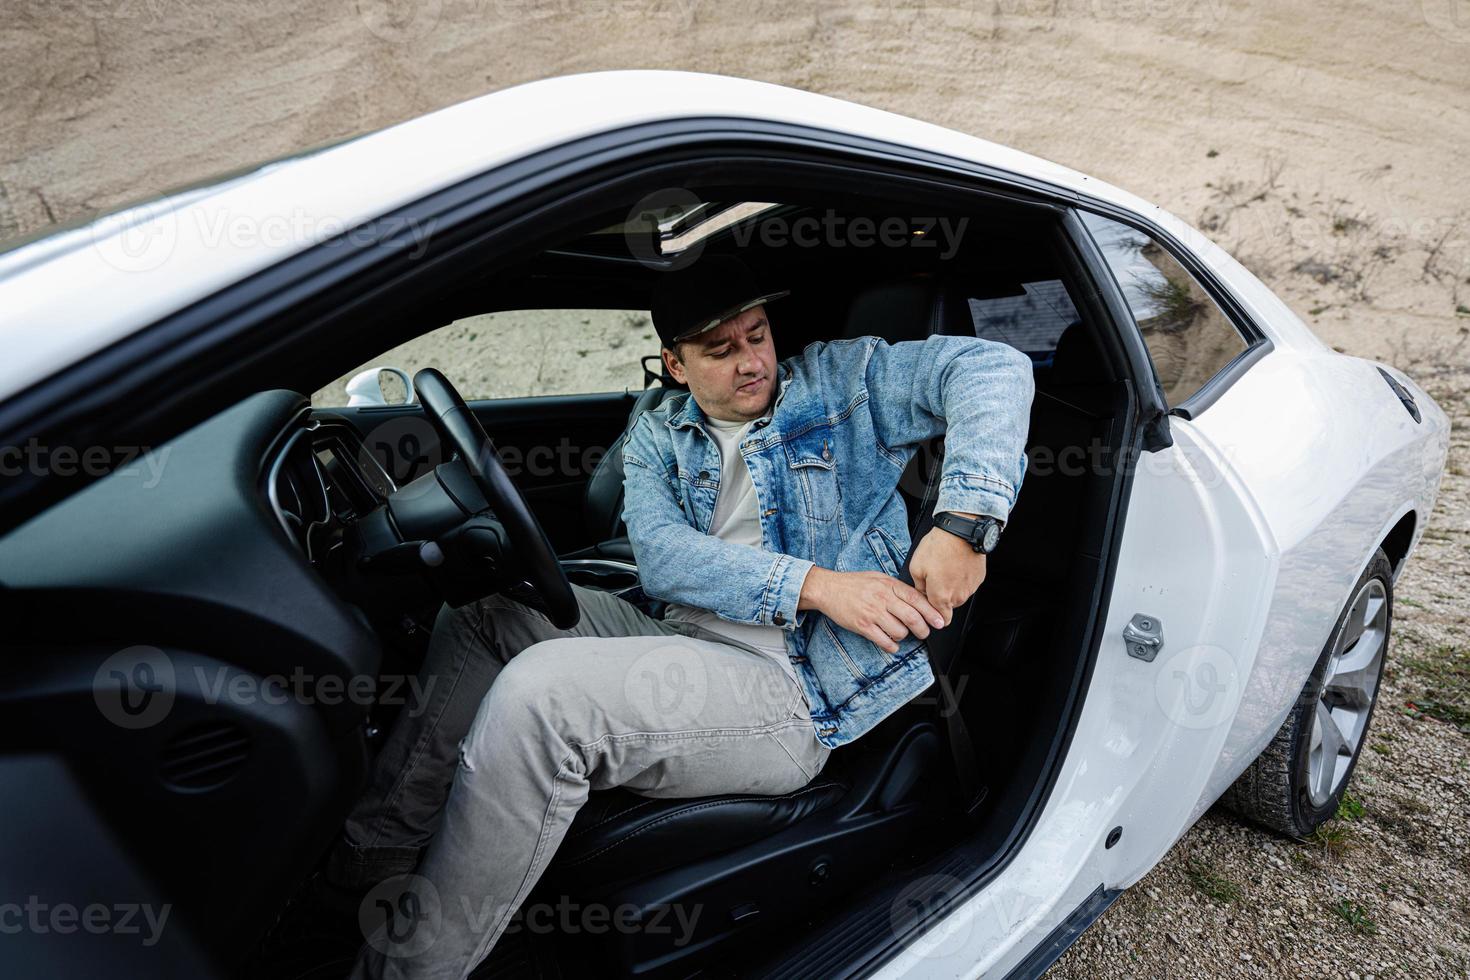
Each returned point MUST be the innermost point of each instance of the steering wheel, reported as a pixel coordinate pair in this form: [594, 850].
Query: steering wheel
[462, 432]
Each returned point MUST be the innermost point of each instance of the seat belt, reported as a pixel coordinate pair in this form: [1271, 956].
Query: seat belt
[944, 647]
[972, 791]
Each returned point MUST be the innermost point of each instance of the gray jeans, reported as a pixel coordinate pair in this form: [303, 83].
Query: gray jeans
[490, 782]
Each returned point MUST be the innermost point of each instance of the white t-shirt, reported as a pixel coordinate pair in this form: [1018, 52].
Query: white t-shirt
[736, 519]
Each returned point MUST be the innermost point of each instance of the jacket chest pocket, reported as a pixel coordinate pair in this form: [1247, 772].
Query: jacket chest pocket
[812, 457]
[697, 492]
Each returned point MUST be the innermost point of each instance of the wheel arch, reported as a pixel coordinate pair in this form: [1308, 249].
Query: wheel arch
[1397, 541]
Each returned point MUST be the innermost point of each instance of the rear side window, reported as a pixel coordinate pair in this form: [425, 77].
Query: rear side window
[1030, 317]
[1189, 338]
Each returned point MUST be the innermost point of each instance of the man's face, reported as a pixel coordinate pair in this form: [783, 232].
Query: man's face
[731, 370]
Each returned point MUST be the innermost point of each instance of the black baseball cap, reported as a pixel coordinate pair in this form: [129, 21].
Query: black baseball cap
[698, 298]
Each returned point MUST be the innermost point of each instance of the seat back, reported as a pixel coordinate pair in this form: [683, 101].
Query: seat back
[602, 502]
[912, 308]
[1069, 429]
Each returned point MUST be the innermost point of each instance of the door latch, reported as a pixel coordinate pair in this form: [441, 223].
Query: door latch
[1144, 637]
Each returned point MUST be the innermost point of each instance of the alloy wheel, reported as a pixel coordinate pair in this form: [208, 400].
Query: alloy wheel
[1348, 690]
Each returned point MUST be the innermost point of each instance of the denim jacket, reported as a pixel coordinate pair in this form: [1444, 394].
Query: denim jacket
[825, 465]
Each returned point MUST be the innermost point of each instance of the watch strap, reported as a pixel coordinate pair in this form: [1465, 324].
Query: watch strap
[972, 529]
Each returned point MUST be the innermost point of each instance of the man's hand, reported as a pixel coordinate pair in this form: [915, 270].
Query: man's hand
[871, 604]
[947, 570]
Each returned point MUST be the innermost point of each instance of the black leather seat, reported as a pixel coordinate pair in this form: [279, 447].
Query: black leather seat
[618, 834]
[757, 852]
[602, 502]
[909, 309]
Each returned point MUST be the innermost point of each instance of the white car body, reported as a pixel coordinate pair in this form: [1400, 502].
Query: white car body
[1260, 517]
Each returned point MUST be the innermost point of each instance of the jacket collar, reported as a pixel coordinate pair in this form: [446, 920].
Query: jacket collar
[688, 416]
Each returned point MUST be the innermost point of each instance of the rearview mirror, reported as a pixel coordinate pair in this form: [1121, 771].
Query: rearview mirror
[369, 388]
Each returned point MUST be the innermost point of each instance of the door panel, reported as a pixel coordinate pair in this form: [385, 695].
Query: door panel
[549, 444]
[1198, 563]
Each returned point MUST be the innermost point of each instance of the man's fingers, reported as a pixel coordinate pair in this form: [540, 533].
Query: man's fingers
[917, 600]
[892, 625]
[893, 628]
[881, 638]
[909, 616]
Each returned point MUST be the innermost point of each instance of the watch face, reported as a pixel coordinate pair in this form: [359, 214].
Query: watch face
[992, 537]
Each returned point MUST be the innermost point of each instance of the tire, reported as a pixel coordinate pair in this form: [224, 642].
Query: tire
[1289, 787]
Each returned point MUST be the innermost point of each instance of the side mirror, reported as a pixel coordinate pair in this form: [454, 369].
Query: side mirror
[366, 387]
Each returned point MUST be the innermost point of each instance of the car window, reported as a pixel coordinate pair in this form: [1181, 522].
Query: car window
[1189, 338]
[515, 354]
[1030, 317]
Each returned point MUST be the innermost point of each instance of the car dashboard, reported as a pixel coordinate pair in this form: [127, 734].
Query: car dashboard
[225, 551]
[321, 480]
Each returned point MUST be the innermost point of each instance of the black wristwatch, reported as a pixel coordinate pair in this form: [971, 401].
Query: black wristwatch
[983, 533]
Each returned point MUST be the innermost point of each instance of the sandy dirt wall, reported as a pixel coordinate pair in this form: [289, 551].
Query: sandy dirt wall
[1326, 145]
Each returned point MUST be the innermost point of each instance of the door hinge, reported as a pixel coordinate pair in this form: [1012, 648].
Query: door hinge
[1144, 637]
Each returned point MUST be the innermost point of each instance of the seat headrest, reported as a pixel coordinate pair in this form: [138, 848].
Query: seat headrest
[1076, 358]
[908, 309]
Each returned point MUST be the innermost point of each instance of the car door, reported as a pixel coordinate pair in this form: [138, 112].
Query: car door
[1197, 564]
[1195, 573]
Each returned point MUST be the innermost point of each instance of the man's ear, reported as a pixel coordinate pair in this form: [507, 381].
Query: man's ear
[672, 365]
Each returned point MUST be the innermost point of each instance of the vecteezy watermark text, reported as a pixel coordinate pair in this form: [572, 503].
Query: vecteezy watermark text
[37, 459]
[405, 915]
[300, 687]
[136, 688]
[143, 238]
[97, 918]
[833, 230]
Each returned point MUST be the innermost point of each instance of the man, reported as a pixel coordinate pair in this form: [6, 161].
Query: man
[764, 508]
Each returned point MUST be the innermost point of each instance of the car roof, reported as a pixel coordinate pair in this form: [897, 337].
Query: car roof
[141, 264]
